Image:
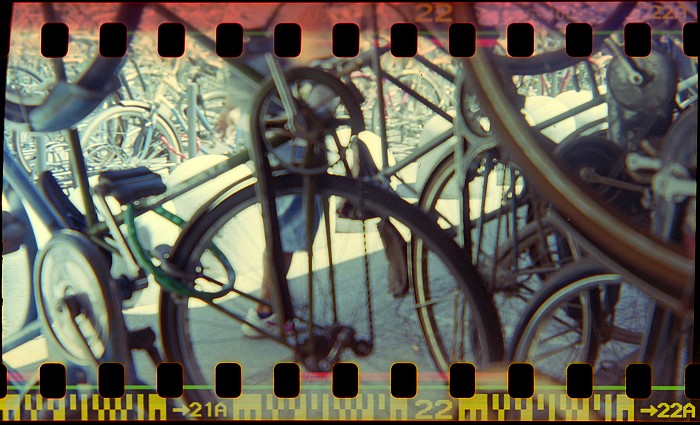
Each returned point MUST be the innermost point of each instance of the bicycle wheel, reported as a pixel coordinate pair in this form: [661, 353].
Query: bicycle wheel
[130, 135]
[80, 309]
[355, 294]
[57, 153]
[513, 253]
[584, 314]
[24, 145]
[639, 256]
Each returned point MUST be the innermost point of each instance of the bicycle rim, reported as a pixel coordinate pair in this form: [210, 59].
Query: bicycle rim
[120, 137]
[390, 332]
[585, 314]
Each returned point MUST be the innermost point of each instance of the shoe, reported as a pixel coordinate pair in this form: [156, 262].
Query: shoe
[13, 233]
[269, 323]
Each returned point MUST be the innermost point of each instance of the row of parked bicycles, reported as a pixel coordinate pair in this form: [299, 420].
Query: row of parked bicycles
[536, 210]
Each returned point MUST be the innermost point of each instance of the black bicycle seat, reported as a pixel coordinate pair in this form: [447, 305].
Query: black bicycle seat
[130, 185]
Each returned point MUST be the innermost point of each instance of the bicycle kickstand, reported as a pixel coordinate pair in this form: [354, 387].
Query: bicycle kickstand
[144, 339]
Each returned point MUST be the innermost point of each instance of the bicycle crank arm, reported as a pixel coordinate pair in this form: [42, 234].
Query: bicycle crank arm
[636, 162]
[590, 176]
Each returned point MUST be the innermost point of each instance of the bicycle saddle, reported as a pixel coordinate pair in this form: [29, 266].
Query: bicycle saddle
[130, 185]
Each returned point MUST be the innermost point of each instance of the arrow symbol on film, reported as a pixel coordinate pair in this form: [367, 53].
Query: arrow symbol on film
[182, 410]
[651, 410]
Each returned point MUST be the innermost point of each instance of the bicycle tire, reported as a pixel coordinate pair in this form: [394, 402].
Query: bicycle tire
[138, 110]
[115, 348]
[177, 338]
[542, 249]
[621, 321]
[607, 332]
[656, 265]
[55, 146]
[20, 152]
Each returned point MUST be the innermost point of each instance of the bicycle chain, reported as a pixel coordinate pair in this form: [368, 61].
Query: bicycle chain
[367, 283]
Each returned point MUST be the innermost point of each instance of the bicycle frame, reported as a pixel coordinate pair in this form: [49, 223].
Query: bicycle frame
[18, 181]
[49, 217]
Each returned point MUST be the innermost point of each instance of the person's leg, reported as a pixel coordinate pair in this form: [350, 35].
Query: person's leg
[13, 232]
[263, 315]
[267, 281]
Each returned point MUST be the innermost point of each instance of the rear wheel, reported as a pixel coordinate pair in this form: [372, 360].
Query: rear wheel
[228, 243]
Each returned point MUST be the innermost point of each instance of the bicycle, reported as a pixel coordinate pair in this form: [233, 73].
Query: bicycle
[609, 322]
[660, 269]
[139, 190]
[662, 257]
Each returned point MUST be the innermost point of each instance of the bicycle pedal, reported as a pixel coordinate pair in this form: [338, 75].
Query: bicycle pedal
[349, 211]
[142, 339]
[128, 287]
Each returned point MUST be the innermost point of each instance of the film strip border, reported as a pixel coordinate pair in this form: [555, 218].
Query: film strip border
[345, 381]
[462, 39]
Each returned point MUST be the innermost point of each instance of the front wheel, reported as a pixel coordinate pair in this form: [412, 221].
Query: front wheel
[584, 314]
[340, 282]
[79, 308]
